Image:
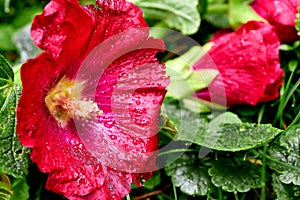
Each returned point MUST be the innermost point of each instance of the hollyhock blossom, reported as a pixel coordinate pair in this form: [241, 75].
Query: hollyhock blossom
[280, 14]
[248, 64]
[93, 142]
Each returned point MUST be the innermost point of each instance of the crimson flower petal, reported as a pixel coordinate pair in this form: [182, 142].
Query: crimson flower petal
[248, 63]
[83, 139]
[280, 14]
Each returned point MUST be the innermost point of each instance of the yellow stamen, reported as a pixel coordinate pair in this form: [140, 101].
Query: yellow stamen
[64, 102]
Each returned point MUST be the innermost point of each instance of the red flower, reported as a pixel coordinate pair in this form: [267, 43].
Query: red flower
[90, 114]
[248, 64]
[280, 14]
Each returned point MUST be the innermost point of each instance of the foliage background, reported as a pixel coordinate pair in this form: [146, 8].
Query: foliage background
[263, 162]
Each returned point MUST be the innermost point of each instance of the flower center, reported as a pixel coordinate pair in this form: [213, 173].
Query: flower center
[64, 102]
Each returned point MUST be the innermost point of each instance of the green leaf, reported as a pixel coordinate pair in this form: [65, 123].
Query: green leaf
[224, 133]
[198, 105]
[184, 122]
[219, 20]
[225, 118]
[20, 189]
[178, 14]
[285, 158]
[185, 81]
[153, 181]
[240, 177]
[191, 177]
[292, 65]
[236, 137]
[87, 2]
[241, 12]
[6, 73]
[13, 156]
[284, 191]
[17, 74]
[185, 61]
[217, 13]
[5, 188]
[286, 47]
[167, 126]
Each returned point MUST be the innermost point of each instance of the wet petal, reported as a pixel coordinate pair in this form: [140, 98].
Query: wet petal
[249, 66]
[68, 33]
[280, 14]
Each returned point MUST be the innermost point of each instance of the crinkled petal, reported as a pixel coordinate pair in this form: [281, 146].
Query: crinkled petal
[68, 33]
[130, 103]
[38, 76]
[280, 14]
[248, 62]
[63, 25]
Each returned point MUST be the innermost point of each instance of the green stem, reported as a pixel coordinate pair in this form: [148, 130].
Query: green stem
[128, 197]
[284, 99]
[236, 197]
[174, 190]
[220, 194]
[263, 174]
[6, 6]
[4, 87]
[288, 96]
[293, 122]
[207, 196]
[281, 163]
[217, 9]
[261, 113]
[291, 91]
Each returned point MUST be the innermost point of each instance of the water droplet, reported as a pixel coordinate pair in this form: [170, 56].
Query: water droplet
[242, 129]
[138, 102]
[29, 132]
[81, 181]
[135, 141]
[113, 137]
[47, 146]
[155, 101]
[98, 169]
[111, 156]
[144, 121]
[109, 123]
